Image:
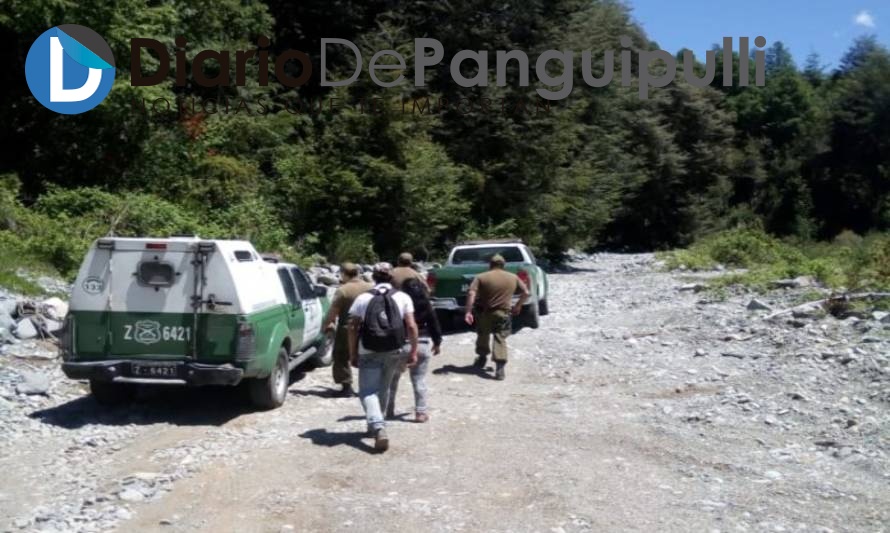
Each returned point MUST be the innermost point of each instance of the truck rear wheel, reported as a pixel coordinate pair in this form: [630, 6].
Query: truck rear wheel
[271, 391]
[543, 310]
[107, 393]
[528, 318]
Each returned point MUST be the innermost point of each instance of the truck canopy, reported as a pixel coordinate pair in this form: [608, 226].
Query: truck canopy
[145, 275]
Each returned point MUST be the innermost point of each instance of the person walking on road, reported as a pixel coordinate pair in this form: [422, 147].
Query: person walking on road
[337, 321]
[429, 344]
[494, 291]
[379, 321]
[405, 271]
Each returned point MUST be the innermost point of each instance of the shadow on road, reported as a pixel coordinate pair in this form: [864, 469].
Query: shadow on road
[468, 370]
[180, 406]
[350, 418]
[323, 437]
[318, 391]
[570, 269]
[401, 417]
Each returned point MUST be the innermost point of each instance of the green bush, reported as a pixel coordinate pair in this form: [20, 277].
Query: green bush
[850, 261]
[355, 246]
[13, 258]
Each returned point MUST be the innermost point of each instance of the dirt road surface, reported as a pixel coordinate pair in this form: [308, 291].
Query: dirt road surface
[635, 407]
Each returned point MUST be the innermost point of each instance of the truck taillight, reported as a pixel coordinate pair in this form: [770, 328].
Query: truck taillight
[246, 341]
[523, 275]
[431, 280]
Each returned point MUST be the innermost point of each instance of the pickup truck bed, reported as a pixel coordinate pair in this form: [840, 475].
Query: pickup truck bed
[450, 283]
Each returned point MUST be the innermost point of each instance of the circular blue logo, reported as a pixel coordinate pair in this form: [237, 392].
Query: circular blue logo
[70, 69]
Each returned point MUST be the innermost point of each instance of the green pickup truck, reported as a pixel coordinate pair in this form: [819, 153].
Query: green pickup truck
[188, 311]
[449, 284]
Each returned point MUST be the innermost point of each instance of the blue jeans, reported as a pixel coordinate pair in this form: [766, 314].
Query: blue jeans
[375, 373]
[418, 376]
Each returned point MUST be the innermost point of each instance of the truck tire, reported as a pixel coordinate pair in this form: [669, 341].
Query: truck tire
[271, 391]
[107, 393]
[325, 354]
[528, 317]
[543, 310]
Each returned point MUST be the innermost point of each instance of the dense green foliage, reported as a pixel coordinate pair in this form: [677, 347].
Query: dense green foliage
[849, 261]
[806, 156]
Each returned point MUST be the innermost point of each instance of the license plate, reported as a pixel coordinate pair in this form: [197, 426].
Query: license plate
[153, 371]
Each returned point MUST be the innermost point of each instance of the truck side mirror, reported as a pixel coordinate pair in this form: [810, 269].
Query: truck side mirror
[321, 291]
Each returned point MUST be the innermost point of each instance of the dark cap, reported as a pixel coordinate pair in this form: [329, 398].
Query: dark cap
[406, 259]
[497, 259]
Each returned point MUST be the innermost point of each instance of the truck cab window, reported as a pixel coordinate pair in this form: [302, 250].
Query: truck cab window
[511, 254]
[287, 283]
[304, 286]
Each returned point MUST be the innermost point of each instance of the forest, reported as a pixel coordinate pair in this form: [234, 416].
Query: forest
[355, 172]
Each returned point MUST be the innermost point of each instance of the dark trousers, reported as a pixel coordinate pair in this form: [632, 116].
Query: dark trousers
[341, 369]
[492, 330]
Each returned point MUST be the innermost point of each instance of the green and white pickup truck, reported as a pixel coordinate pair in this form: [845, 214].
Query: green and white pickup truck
[449, 284]
[187, 311]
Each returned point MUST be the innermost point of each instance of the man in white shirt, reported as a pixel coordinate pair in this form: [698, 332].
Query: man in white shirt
[377, 368]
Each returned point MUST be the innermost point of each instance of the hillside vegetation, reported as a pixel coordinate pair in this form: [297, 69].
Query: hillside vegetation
[805, 157]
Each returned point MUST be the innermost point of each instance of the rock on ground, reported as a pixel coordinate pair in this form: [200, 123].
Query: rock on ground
[26, 329]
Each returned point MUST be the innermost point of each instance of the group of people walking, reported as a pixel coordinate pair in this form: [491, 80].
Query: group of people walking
[389, 327]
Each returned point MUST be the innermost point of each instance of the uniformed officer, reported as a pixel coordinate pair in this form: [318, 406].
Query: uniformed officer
[351, 285]
[493, 291]
[405, 270]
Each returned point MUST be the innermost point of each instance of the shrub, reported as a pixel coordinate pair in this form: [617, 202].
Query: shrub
[355, 246]
[849, 261]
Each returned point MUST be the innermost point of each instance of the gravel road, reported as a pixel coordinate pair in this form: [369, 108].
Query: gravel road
[638, 405]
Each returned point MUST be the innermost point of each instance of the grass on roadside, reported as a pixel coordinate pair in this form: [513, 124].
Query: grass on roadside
[13, 281]
[849, 261]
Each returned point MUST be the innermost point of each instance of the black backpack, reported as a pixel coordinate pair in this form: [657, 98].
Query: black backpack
[383, 328]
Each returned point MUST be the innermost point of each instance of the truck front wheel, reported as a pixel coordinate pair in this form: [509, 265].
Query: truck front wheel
[271, 391]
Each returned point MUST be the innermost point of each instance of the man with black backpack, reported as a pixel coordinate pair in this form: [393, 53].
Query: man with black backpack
[379, 322]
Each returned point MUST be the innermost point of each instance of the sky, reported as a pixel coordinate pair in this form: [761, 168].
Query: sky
[827, 27]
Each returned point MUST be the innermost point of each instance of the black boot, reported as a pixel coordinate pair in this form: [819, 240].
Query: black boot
[347, 391]
[499, 371]
[480, 362]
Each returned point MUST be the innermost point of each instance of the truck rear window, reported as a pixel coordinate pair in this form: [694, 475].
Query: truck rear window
[156, 274]
[511, 254]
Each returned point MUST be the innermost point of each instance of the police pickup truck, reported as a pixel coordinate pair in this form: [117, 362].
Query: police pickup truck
[187, 311]
[450, 283]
